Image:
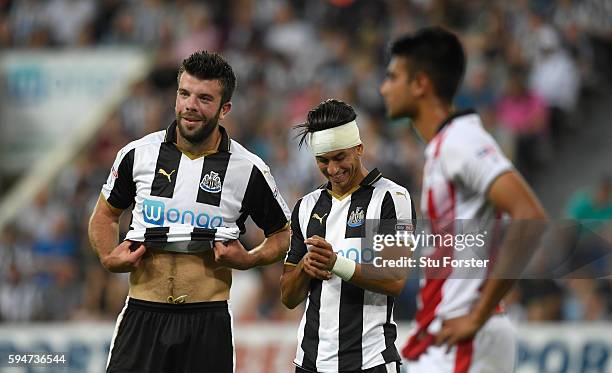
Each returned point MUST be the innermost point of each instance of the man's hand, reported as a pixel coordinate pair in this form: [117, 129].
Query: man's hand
[122, 259]
[232, 254]
[458, 330]
[321, 253]
[311, 268]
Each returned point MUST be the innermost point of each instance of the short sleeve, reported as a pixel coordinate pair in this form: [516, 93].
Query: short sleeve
[297, 247]
[397, 209]
[475, 165]
[263, 202]
[120, 188]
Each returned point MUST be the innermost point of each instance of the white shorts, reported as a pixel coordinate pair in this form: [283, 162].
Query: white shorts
[493, 350]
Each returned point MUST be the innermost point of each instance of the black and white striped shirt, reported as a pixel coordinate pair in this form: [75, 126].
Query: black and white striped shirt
[344, 327]
[177, 198]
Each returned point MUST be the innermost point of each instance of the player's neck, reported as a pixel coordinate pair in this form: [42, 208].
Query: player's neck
[431, 116]
[209, 145]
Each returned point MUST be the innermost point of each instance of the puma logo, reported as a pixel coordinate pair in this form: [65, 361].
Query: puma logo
[319, 218]
[401, 194]
[163, 172]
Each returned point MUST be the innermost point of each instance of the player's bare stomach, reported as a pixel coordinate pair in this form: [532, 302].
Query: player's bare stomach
[180, 278]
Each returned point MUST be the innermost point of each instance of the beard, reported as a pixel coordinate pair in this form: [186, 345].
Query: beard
[200, 134]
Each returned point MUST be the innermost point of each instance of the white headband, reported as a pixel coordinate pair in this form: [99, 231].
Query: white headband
[342, 137]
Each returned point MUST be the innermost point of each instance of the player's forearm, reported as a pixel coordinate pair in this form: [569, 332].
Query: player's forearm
[273, 249]
[294, 286]
[377, 281]
[492, 293]
[103, 235]
[520, 242]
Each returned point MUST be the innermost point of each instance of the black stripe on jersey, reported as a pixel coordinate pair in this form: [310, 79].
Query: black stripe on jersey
[388, 216]
[124, 189]
[355, 218]
[166, 170]
[297, 247]
[390, 332]
[414, 217]
[156, 234]
[203, 234]
[310, 341]
[351, 327]
[200, 236]
[260, 203]
[211, 180]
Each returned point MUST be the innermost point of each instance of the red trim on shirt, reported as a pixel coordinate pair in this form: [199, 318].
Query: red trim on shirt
[463, 358]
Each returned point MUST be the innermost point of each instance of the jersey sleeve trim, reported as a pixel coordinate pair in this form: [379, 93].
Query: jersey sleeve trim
[297, 247]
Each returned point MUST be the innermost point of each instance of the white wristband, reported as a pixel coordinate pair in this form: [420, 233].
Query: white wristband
[344, 268]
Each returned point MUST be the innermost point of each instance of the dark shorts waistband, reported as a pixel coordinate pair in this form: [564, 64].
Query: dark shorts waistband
[146, 305]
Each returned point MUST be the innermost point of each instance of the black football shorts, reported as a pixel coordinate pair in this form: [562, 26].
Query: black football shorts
[172, 338]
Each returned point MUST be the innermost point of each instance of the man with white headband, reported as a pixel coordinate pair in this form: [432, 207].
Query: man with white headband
[348, 323]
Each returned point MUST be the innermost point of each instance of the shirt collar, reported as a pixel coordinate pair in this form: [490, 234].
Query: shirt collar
[453, 116]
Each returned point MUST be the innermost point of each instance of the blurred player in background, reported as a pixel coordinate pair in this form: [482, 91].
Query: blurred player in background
[190, 185]
[460, 326]
[348, 323]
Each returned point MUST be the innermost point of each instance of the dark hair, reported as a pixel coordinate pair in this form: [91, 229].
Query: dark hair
[210, 66]
[328, 114]
[437, 53]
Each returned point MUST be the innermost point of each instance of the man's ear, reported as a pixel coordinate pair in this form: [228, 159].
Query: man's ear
[225, 109]
[359, 150]
[420, 84]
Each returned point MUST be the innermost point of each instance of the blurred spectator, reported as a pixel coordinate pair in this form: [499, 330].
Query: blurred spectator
[67, 18]
[586, 300]
[199, 34]
[555, 77]
[263, 303]
[595, 203]
[19, 297]
[542, 299]
[592, 237]
[62, 299]
[524, 117]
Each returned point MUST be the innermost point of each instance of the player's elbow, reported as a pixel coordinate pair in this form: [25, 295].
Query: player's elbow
[289, 296]
[395, 288]
[526, 209]
[289, 301]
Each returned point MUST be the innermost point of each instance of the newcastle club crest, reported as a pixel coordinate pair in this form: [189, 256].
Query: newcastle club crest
[356, 218]
[211, 182]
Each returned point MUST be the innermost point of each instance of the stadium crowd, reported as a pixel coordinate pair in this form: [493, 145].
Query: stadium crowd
[530, 65]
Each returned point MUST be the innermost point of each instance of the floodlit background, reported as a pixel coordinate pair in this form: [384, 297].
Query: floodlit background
[81, 78]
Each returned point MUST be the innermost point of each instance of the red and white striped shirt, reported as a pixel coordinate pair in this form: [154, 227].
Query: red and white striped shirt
[461, 162]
